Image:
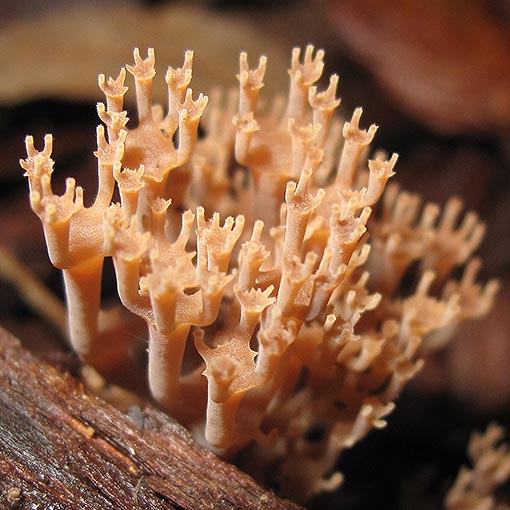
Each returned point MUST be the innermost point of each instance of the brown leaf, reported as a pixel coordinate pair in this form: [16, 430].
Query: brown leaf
[445, 63]
[81, 43]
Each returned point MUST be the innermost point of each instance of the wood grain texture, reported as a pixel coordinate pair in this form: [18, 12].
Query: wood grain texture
[62, 448]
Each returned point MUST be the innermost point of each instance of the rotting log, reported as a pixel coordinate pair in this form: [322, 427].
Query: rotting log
[63, 448]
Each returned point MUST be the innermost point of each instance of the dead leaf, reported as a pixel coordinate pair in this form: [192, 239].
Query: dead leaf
[444, 62]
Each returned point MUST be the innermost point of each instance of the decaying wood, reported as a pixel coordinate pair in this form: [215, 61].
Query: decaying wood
[62, 448]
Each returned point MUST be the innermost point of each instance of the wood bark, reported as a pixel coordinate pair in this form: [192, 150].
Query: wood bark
[63, 448]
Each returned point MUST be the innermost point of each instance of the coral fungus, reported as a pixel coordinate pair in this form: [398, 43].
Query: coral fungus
[277, 299]
[476, 488]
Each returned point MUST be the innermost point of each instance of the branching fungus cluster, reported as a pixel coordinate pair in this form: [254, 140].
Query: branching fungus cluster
[476, 488]
[271, 320]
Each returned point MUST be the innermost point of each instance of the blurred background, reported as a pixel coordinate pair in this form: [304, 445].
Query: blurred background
[435, 76]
